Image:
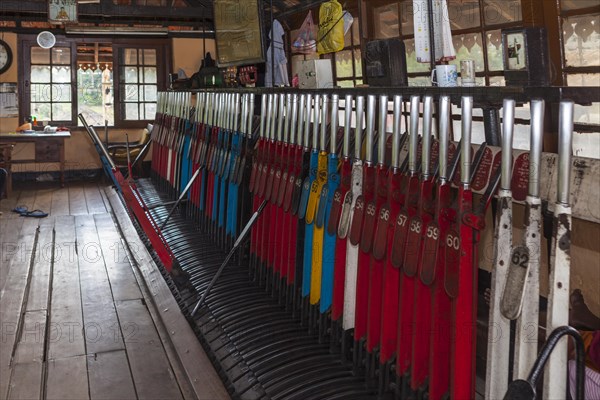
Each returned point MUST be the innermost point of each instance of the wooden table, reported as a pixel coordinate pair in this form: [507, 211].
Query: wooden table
[49, 148]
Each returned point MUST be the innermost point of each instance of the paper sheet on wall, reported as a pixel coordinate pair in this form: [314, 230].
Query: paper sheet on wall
[444, 49]
[9, 105]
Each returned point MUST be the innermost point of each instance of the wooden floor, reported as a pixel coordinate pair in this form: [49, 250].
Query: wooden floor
[74, 320]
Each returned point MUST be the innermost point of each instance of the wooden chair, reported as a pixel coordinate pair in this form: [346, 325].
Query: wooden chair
[118, 152]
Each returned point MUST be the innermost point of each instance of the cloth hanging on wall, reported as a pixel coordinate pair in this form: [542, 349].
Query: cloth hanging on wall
[276, 52]
[444, 49]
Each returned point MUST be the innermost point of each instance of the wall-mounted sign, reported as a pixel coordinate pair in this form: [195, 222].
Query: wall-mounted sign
[62, 11]
[238, 32]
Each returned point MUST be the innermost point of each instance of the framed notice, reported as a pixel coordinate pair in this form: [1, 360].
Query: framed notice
[238, 32]
[62, 11]
[9, 106]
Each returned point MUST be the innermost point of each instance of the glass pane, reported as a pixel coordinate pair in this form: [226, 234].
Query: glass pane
[463, 14]
[61, 74]
[497, 81]
[94, 96]
[131, 93]
[357, 63]
[582, 40]
[577, 4]
[586, 144]
[150, 75]
[501, 11]
[386, 21]
[150, 110]
[468, 47]
[131, 75]
[345, 84]
[420, 81]
[149, 56]
[131, 111]
[411, 58]
[343, 64]
[61, 92]
[407, 18]
[41, 111]
[356, 31]
[40, 74]
[40, 93]
[140, 93]
[150, 93]
[61, 111]
[40, 56]
[61, 55]
[359, 82]
[586, 114]
[494, 49]
[130, 56]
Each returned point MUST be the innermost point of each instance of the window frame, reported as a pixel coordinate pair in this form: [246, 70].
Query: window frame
[163, 65]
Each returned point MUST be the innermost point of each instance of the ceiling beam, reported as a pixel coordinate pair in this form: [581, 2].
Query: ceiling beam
[108, 9]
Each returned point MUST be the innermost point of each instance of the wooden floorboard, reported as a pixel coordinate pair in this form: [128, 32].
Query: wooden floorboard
[60, 202]
[12, 297]
[65, 304]
[93, 198]
[150, 367]
[122, 280]
[43, 200]
[99, 314]
[67, 379]
[75, 322]
[25, 383]
[110, 377]
[77, 203]
[42, 267]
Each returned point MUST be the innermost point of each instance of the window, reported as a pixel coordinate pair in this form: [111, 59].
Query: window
[114, 80]
[139, 84]
[51, 77]
[476, 27]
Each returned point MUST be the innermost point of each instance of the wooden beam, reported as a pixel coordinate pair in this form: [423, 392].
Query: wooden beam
[108, 9]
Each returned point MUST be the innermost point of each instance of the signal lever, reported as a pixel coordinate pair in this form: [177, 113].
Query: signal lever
[526, 389]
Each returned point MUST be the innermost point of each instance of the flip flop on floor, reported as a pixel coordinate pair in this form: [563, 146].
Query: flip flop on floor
[35, 214]
[20, 209]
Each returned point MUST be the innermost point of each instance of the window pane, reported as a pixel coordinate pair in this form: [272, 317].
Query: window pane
[586, 114]
[40, 93]
[343, 64]
[149, 57]
[494, 49]
[356, 31]
[40, 56]
[61, 74]
[407, 18]
[463, 14]
[411, 58]
[577, 4]
[357, 63]
[419, 81]
[61, 55]
[41, 111]
[131, 75]
[501, 11]
[150, 75]
[150, 110]
[130, 56]
[131, 111]
[468, 47]
[497, 81]
[130, 93]
[345, 84]
[61, 92]
[150, 93]
[40, 74]
[61, 111]
[386, 21]
[582, 40]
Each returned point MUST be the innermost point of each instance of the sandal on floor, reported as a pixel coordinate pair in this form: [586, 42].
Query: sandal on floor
[20, 209]
[35, 214]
